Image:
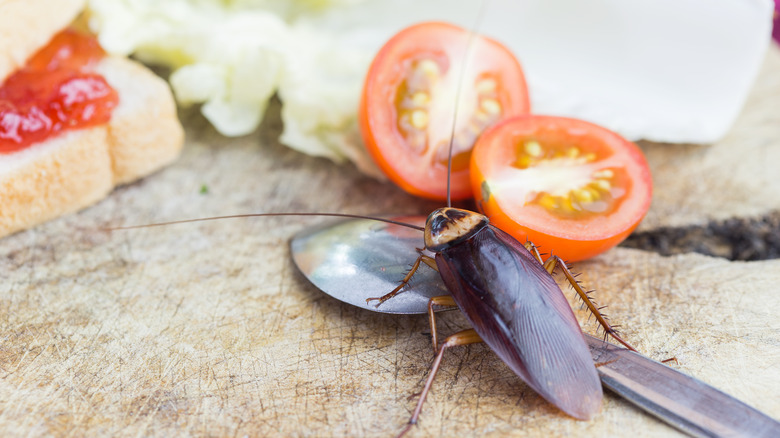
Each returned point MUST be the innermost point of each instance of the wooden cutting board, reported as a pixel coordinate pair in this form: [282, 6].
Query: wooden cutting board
[208, 330]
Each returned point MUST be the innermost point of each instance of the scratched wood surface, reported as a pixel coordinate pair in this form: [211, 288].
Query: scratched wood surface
[208, 330]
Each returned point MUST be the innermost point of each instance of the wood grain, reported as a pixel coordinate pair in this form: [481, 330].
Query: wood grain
[207, 329]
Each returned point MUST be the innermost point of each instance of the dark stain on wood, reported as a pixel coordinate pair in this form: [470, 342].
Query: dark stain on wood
[744, 239]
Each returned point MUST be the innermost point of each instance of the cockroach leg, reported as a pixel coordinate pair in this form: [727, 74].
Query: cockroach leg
[404, 282]
[421, 258]
[444, 300]
[601, 364]
[430, 261]
[464, 337]
[535, 251]
[555, 261]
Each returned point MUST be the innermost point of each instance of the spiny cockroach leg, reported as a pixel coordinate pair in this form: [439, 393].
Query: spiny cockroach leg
[443, 300]
[403, 283]
[464, 337]
[421, 258]
[430, 261]
[534, 250]
[555, 261]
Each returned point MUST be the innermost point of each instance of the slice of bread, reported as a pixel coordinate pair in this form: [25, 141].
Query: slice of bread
[78, 168]
[28, 25]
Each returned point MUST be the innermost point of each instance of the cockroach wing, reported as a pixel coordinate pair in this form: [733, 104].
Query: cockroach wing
[520, 312]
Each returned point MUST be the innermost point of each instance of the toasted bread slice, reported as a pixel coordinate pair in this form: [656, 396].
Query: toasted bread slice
[78, 168]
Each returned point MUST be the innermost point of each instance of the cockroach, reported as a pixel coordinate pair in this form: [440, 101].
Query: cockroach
[509, 296]
[514, 305]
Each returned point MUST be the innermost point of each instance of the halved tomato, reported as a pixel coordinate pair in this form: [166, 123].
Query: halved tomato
[408, 104]
[571, 187]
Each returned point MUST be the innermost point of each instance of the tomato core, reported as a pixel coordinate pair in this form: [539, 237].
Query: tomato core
[419, 82]
[591, 189]
[54, 92]
[425, 121]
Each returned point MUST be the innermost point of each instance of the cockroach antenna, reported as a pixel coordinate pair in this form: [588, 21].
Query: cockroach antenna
[238, 216]
[472, 36]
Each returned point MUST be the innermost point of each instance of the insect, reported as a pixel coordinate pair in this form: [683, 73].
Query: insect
[508, 294]
[514, 305]
[510, 298]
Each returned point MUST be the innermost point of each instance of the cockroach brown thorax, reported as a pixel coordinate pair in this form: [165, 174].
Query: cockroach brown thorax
[447, 226]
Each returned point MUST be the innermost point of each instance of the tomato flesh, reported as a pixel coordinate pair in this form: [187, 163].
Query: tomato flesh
[573, 188]
[407, 105]
[53, 92]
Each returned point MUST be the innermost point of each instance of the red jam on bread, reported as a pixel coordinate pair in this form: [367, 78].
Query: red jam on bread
[55, 91]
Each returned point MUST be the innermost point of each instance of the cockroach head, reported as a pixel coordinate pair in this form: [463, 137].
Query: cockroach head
[448, 226]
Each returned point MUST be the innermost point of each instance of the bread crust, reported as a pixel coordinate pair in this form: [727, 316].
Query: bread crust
[55, 177]
[144, 133]
[28, 25]
[77, 168]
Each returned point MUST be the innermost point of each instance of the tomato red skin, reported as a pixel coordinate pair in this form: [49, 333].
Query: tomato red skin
[378, 115]
[571, 240]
